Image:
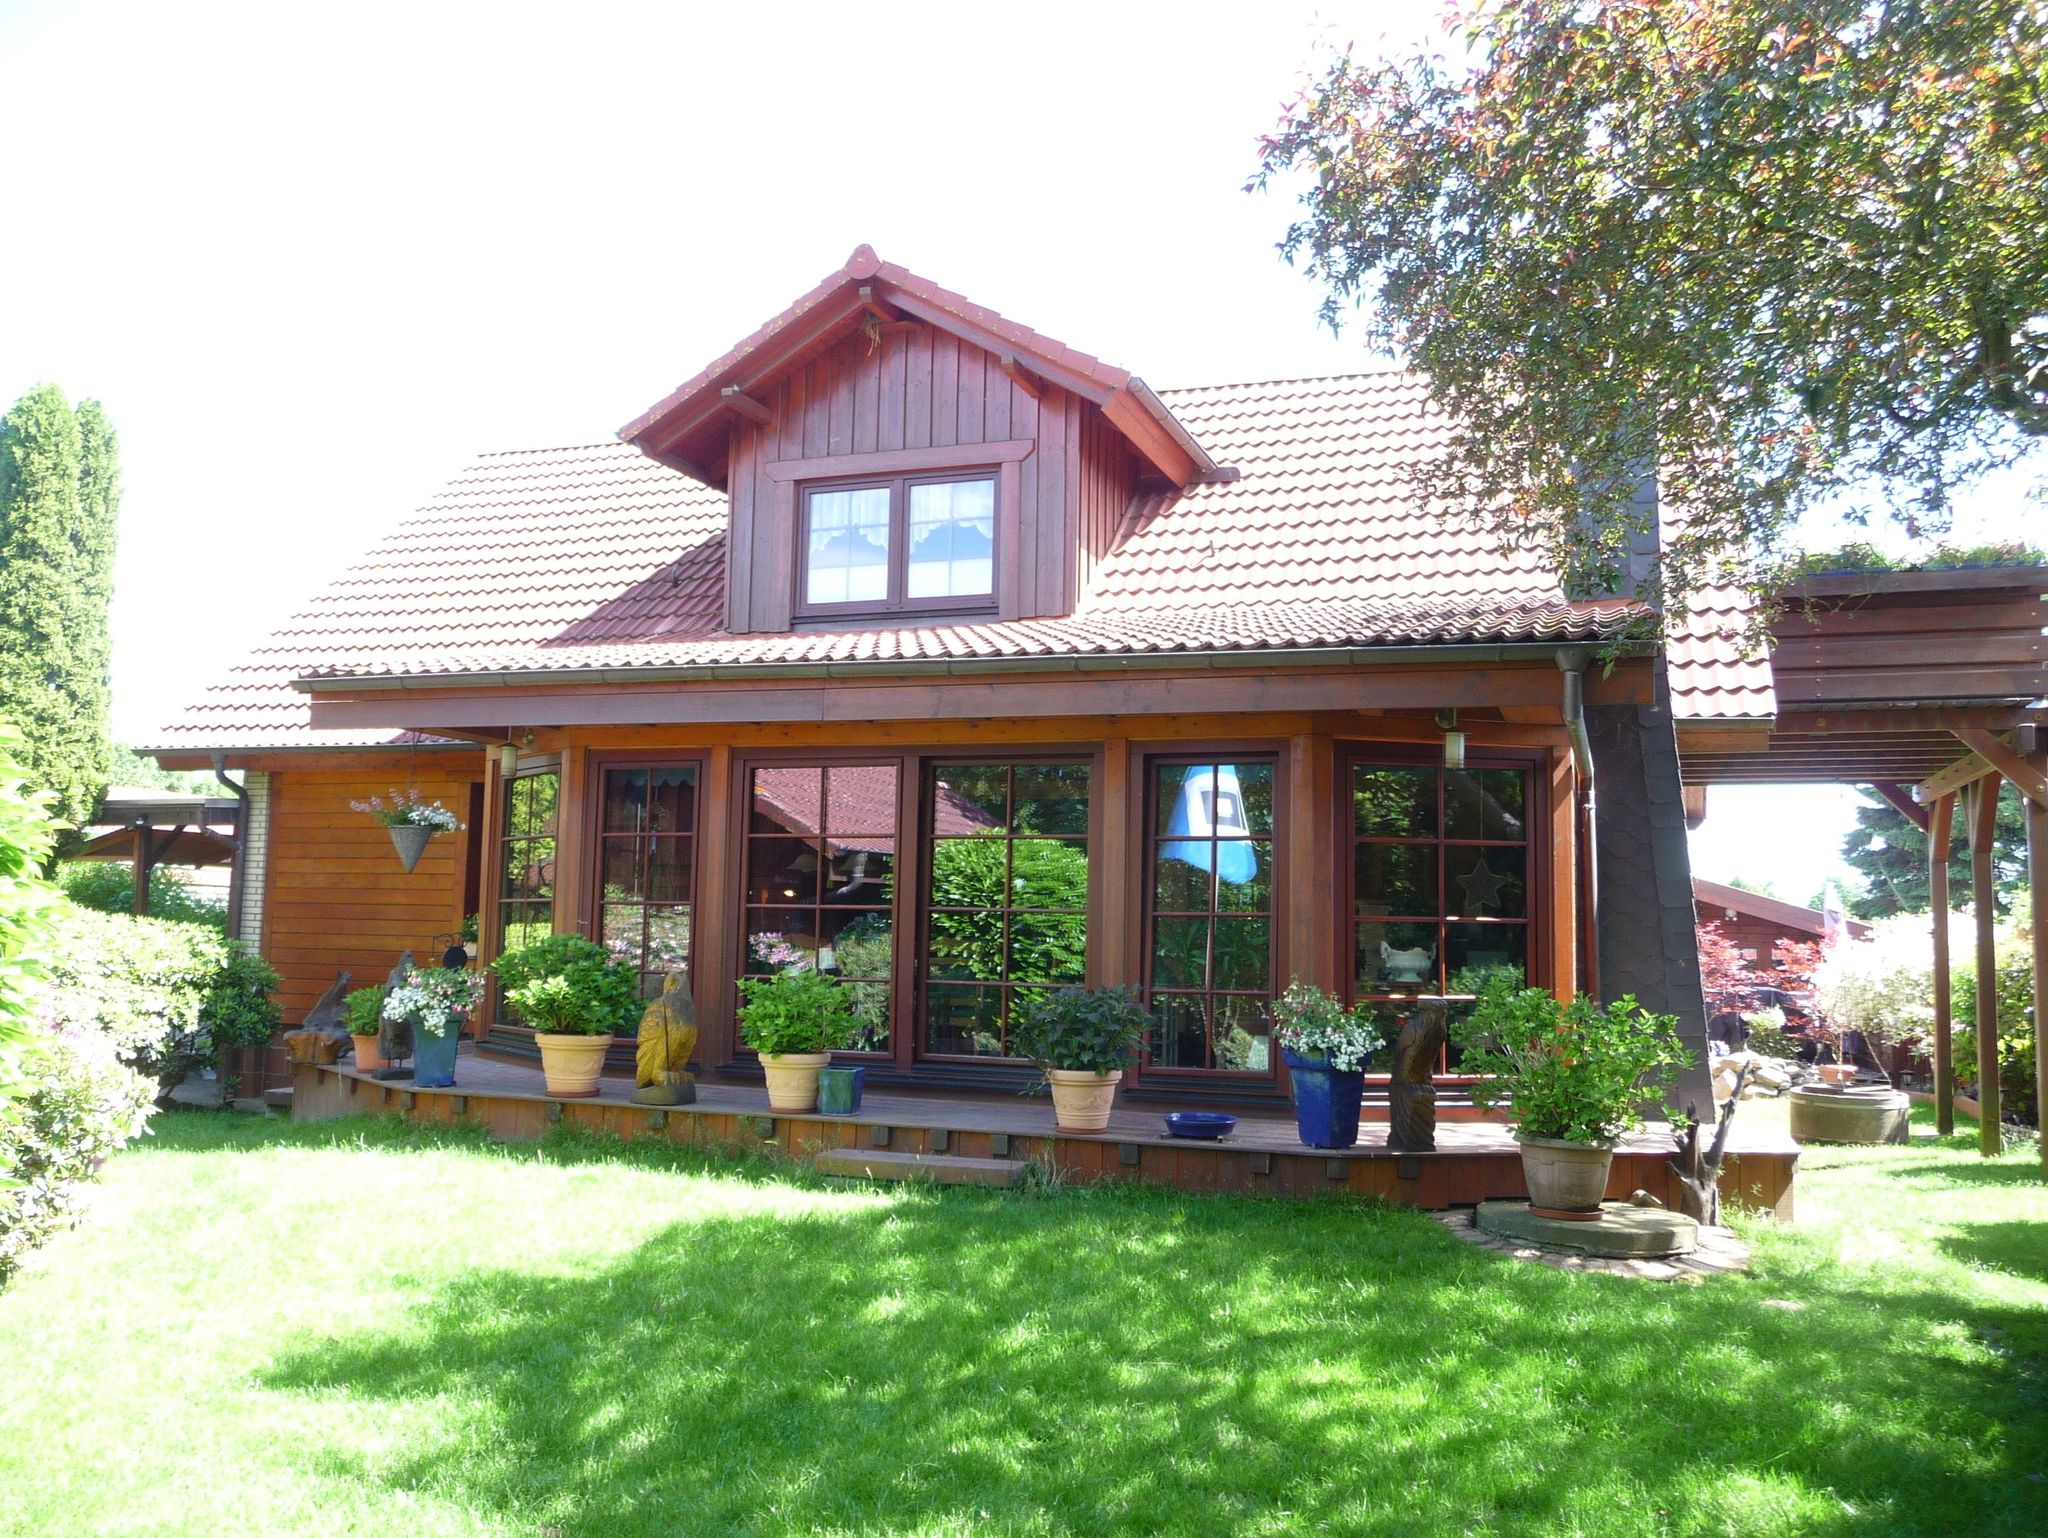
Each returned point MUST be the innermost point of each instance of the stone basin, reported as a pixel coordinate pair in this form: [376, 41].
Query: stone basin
[1824, 1113]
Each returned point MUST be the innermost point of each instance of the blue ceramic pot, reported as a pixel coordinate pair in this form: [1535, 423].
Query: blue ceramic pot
[1326, 1101]
[433, 1058]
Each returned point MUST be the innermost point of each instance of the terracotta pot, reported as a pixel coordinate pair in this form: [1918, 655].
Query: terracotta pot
[793, 1079]
[571, 1064]
[1082, 1099]
[368, 1058]
[1566, 1177]
[1837, 1073]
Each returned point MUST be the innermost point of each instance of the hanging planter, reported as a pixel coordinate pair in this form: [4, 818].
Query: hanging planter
[411, 822]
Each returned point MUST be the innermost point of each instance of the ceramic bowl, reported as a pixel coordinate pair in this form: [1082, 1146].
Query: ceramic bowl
[1209, 1125]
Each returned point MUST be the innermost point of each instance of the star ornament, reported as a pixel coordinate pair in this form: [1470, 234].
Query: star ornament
[1482, 886]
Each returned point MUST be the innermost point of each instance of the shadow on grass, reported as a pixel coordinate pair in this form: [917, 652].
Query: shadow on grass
[1143, 1362]
[2019, 1247]
[1988, 1172]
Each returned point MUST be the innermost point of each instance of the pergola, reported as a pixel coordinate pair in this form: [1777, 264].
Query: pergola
[1927, 686]
[164, 827]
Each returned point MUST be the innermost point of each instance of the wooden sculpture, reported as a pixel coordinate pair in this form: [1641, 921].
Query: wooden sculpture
[1411, 1096]
[394, 1037]
[668, 1035]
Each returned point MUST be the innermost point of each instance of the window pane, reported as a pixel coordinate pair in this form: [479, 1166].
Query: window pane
[668, 869]
[668, 938]
[621, 937]
[862, 799]
[1397, 958]
[1179, 887]
[1244, 876]
[1052, 798]
[1215, 800]
[625, 800]
[788, 800]
[672, 800]
[1244, 954]
[1049, 873]
[781, 871]
[1393, 803]
[775, 942]
[1396, 878]
[621, 871]
[1476, 952]
[1048, 947]
[952, 540]
[1180, 953]
[847, 537]
[1243, 1035]
[1180, 1037]
[1486, 883]
[971, 798]
[1483, 803]
[962, 1020]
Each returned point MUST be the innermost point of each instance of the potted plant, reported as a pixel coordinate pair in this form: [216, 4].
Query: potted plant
[1081, 1039]
[437, 1001]
[589, 999]
[411, 822]
[1575, 1076]
[360, 1012]
[794, 1020]
[1326, 1047]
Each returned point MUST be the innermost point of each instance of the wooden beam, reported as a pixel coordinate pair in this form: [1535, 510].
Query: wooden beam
[1964, 771]
[1695, 799]
[1020, 376]
[1900, 800]
[1941, 827]
[877, 306]
[1984, 902]
[1996, 752]
[989, 342]
[746, 405]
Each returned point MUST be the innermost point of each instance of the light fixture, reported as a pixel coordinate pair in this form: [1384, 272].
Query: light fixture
[1454, 740]
[508, 759]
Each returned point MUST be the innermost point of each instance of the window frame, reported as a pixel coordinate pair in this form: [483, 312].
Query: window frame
[897, 602]
[599, 840]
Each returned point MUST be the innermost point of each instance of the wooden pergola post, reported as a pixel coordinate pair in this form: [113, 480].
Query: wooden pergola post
[1941, 829]
[1984, 900]
[145, 860]
[2037, 885]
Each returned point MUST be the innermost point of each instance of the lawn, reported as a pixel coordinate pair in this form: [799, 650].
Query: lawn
[360, 1328]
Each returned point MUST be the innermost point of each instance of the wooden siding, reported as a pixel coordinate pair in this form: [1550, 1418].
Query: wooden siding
[336, 898]
[911, 388]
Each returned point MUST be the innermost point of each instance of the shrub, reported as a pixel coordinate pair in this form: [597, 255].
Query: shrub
[1081, 1030]
[108, 886]
[1574, 1072]
[2018, 1040]
[561, 1005]
[169, 997]
[363, 1010]
[85, 1104]
[610, 989]
[1882, 987]
[25, 904]
[795, 1011]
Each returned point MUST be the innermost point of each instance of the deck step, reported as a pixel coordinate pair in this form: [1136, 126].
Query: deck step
[946, 1169]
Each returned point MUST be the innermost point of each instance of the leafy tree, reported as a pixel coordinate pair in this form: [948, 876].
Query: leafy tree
[1777, 247]
[59, 490]
[1891, 854]
[26, 901]
[130, 768]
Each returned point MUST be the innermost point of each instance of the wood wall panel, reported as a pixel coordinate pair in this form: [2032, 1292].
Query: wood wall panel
[336, 898]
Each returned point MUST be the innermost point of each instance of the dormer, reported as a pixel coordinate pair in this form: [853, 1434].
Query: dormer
[893, 454]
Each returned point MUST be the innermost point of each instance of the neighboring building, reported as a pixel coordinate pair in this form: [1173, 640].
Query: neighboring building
[907, 642]
[1755, 924]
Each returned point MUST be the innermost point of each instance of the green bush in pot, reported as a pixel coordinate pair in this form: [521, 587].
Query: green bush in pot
[1082, 1039]
[794, 1020]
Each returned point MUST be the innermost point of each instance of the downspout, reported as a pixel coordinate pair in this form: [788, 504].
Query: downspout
[235, 872]
[1572, 662]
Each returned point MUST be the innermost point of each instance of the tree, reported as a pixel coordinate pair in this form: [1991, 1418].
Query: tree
[1891, 855]
[1778, 248]
[59, 491]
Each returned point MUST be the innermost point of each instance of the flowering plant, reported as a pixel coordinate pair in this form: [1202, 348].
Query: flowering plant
[408, 810]
[435, 999]
[1312, 1023]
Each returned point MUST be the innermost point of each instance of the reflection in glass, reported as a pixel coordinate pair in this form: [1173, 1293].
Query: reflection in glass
[848, 537]
[952, 539]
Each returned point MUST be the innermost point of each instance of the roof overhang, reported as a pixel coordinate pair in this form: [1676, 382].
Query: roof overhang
[690, 429]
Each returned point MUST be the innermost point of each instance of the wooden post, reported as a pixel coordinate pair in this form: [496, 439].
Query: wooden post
[144, 859]
[2037, 885]
[1939, 834]
[1984, 899]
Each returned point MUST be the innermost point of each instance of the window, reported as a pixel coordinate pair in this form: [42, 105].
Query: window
[647, 840]
[902, 543]
[821, 881]
[1439, 881]
[526, 861]
[1209, 968]
[1007, 914]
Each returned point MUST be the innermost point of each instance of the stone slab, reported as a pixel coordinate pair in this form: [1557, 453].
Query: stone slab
[946, 1169]
[1634, 1232]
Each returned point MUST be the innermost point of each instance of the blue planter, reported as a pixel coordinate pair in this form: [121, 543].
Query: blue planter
[433, 1058]
[1326, 1101]
[839, 1090]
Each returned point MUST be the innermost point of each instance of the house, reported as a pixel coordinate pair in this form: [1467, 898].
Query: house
[907, 642]
[1757, 924]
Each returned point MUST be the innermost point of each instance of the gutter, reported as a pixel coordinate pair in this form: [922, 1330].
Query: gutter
[1572, 662]
[964, 667]
[236, 874]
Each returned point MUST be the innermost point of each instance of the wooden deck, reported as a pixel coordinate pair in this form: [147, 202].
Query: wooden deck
[1475, 1160]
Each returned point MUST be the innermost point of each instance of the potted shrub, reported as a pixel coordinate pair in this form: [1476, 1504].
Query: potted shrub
[412, 822]
[1327, 1047]
[590, 999]
[1575, 1077]
[794, 1020]
[360, 1012]
[437, 1001]
[1081, 1039]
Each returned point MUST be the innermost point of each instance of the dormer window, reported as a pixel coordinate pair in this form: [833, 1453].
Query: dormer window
[889, 545]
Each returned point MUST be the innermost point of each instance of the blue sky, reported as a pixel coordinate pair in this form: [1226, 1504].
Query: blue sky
[312, 258]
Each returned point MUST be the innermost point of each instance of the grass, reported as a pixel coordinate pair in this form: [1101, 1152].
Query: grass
[361, 1328]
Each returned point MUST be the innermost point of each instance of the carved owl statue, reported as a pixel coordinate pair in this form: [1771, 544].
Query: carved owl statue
[668, 1033]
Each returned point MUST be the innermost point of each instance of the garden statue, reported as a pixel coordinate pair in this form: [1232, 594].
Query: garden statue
[323, 1035]
[394, 1037]
[668, 1035]
[1411, 1091]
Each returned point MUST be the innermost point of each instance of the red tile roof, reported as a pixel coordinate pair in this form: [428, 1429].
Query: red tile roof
[600, 558]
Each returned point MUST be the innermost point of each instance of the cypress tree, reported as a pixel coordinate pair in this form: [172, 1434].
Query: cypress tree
[59, 491]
